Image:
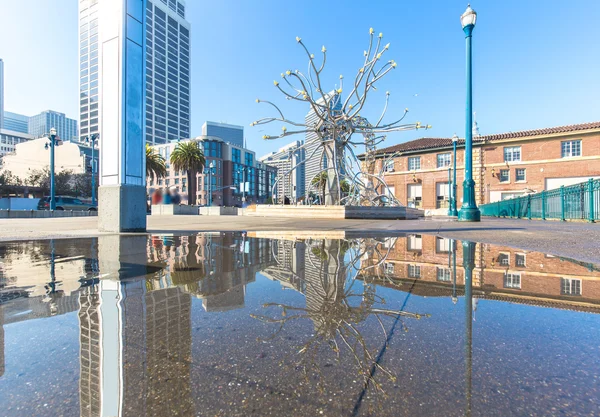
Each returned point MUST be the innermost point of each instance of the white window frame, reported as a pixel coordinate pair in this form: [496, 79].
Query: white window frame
[443, 274]
[517, 175]
[500, 176]
[512, 280]
[446, 160]
[570, 286]
[504, 262]
[412, 160]
[570, 144]
[414, 271]
[444, 247]
[389, 165]
[414, 242]
[517, 256]
[510, 153]
[388, 268]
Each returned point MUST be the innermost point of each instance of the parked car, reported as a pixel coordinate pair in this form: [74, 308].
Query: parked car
[66, 203]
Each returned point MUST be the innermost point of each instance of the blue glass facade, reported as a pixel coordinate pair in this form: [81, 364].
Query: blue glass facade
[228, 133]
[40, 125]
[16, 122]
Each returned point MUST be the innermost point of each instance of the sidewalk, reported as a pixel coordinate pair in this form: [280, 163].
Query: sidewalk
[574, 240]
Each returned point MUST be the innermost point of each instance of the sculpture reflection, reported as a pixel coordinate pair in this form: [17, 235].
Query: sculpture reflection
[336, 301]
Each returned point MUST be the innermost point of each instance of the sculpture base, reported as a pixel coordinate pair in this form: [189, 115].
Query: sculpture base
[122, 208]
[339, 212]
[469, 215]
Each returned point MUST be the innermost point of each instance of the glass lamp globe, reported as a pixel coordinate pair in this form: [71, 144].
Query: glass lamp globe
[469, 17]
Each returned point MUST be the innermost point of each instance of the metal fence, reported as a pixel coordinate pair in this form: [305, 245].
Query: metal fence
[575, 202]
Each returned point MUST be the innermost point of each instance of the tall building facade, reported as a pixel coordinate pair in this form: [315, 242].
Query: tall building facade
[290, 183]
[318, 161]
[16, 122]
[8, 142]
[40, 125]
[229, 133]
[167, 70]
[1, 94]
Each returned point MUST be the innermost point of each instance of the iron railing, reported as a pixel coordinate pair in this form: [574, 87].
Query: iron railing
[575, 202]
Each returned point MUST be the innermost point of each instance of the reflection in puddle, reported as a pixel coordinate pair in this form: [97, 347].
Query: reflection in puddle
[346, 332]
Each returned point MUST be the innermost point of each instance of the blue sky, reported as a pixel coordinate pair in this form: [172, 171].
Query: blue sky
[536, 64]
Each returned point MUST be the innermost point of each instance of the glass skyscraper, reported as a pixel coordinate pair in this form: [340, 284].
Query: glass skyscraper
[16, 122]
[40, 125]
[167, 70]
[229, 133]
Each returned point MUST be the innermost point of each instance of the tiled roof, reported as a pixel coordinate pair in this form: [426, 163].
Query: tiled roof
[430, 143]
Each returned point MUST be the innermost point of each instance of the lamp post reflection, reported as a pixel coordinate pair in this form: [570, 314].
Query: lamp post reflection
[468, 264]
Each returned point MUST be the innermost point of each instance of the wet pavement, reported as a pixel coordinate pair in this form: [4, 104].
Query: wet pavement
[231, 324]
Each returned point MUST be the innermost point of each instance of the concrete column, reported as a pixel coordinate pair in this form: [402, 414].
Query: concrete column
[122, 192]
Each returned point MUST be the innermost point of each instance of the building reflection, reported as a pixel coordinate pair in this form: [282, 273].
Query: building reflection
[134, 333]
[425, 264]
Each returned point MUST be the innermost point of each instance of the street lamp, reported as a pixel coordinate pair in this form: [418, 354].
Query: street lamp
[242, 171]
[52, 145]
[469, 211]
[210, 168]
[91, 140]
[453, 211]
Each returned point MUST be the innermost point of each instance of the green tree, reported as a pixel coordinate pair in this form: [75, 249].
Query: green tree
[63, 181]
[188, 156]
[155, 164]
[320, 183]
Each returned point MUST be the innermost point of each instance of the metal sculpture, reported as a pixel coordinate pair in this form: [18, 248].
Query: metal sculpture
[336, 123]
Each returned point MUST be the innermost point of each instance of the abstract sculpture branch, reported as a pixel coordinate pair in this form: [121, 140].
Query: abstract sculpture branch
[337, 122]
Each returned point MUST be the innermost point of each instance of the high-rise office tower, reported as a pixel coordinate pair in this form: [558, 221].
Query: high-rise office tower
[167, 70]
[1, 94]
[40, 125]
[289, 161]
[314, 146]
[16, 122]
[229, 133]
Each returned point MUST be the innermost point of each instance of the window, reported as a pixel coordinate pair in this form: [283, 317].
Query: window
[570, 148]
[442, 245]
[512, 281]
[414, 271]
[504, 175]
[504, 259]
[442, 194]
[520, 259]
[415, 195]
[389, 268]
[512, 154]
[443, 160]
[414, 242]
[414, 163]
[570, 286]
[443, 274]
[389, 165]
[520, 174]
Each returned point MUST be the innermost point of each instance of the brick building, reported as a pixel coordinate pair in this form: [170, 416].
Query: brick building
[505, 165]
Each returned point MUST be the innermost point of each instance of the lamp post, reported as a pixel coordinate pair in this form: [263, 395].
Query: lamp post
[52, 144]
[453, 211]
[91, 140]
[242, 171]
[469, 211]
[210, 168]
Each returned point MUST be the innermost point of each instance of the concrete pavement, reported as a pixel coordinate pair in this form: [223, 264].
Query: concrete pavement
[574, 240]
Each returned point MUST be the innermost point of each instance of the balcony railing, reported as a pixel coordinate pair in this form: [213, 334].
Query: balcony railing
[575, 202]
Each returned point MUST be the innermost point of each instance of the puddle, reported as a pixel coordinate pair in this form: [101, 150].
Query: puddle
[235, 324]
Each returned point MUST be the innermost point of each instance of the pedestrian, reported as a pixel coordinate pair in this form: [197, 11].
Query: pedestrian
[157, 196]
[167, 197]
[176, 197]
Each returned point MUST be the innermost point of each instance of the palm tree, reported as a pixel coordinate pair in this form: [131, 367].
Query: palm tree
[155, 164]
[320, 183]
[189, 157]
